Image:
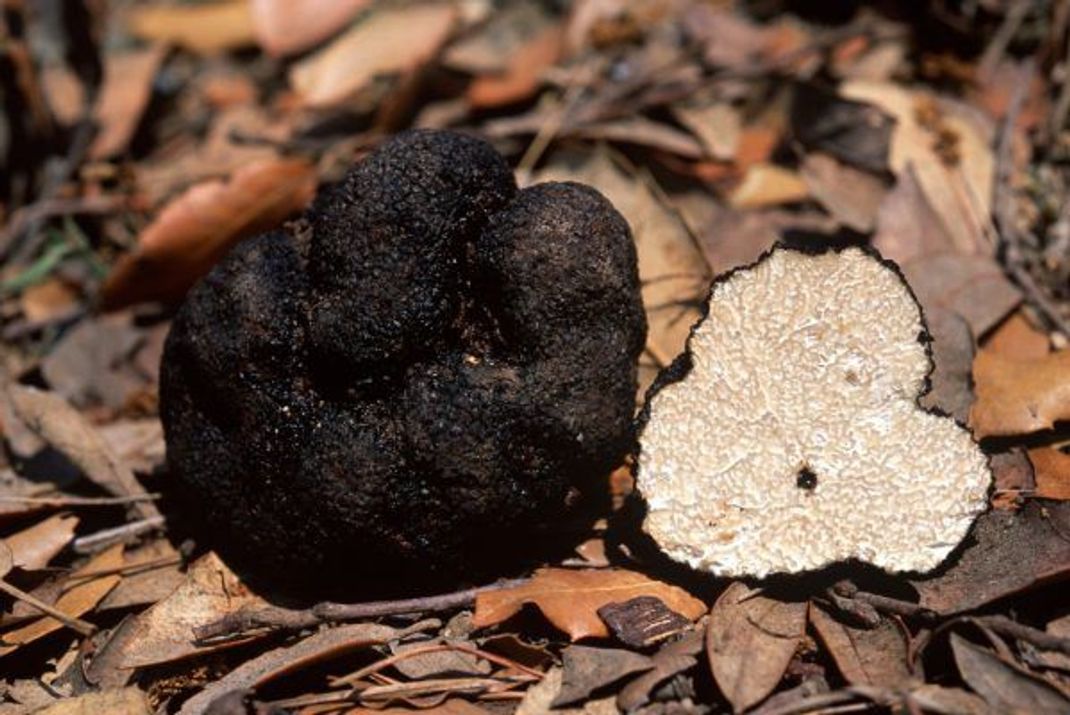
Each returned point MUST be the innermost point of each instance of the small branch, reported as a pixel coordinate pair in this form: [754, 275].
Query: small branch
[75, 624]
[242, 621]
[106, 537]
[63, 500]
[1013, 629]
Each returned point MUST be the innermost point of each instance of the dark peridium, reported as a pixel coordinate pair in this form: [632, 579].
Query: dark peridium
[394, 391]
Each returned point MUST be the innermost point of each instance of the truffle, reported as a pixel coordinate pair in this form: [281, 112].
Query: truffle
[395, 390]
[789, 435]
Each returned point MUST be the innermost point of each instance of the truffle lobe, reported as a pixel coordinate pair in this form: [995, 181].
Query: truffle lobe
[795, 439]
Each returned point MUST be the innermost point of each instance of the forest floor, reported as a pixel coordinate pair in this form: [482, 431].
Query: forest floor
[139, 142]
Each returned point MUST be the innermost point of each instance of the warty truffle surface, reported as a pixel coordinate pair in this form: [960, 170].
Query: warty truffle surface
[397, 394]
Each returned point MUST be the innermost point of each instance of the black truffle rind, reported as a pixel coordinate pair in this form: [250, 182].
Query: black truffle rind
[395, 394]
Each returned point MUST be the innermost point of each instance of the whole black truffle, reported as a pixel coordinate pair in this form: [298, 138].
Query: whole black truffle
[395, 391]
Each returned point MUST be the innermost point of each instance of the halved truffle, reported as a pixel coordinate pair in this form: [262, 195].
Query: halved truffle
[397, 393]
[789, 435]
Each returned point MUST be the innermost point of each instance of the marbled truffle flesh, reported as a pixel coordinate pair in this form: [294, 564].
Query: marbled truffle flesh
[395, 394]
[789, 437]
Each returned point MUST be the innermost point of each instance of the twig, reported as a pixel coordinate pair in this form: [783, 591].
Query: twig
[436, 648]
[1016, 14]
[1004, 208]
[47, 208]
[1013, 629]
[63, 500]
[106, 537]
[241, 621]
[75, 624]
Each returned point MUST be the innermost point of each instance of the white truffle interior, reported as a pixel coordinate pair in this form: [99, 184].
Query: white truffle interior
[807, 362]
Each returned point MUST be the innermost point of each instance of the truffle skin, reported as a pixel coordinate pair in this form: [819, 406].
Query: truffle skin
[790, 436]
[394, 394]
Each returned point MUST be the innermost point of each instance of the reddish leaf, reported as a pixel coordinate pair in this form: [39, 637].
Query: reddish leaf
[523, 75]
[1019, 396]
[207, 28]
[34, 547]
[1051, 470]
[571, 599]
[284, 27]
[392, 41]
[750, 641]
[195, 230]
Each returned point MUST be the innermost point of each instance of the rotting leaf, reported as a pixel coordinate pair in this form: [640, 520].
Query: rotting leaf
[750, 640]
[589, 669]
[206, 28]
[1051, 472]
[391, 41]
[865, 656]
[165, 632]
[81, 598]
[1019, 396]
[280, 661]
[1007, 553]
[974, 286]
[571, 599]
[642, 621]
[35, 546]
[1005, 686]
[196, 229]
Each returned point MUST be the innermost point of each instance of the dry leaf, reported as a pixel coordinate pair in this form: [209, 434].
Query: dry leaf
[539, 698]
[48, 300]
[164, 633]
[151, 573]
[672, 659]
[206, 28]
[865, 656]
[1051, 471]
[1017, 339]
[1019, 396]
[571, 599]
[587, 669]
[953, 351]
[66, 431]
[947, 148]
[1010, 552]
[263, 668]
[750, 640]
[975, 287]
[852, 196]
[1006, 686]
[76, 601]
[197, 229]
[717, 125]
[767, 185]
[90, 365]
[127, 701]
[128, 79]
[523, 75]
[391, 41]
[907, 226]
[284, 27]
[35, 546]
